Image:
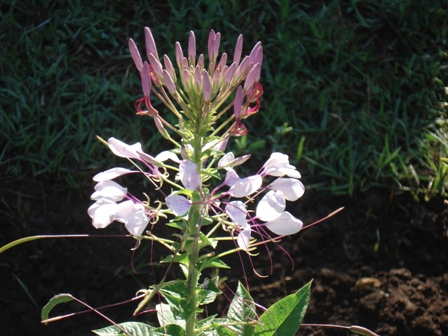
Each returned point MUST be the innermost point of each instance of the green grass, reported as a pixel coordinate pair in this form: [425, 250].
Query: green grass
[353, 90]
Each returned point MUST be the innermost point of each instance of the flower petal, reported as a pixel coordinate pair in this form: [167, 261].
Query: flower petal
[271, 206]
[278, 165]
[246, 186]
[110, 190]
[178, 204]
[244, 238]
[189, 175]
[229, 160]
[225, 159]
[237, 212]
[111, 174]
[231, 177]
[121, 149]
[285, 224]
[290, 187]
[133, 216]
[102, 213]
[167, 155]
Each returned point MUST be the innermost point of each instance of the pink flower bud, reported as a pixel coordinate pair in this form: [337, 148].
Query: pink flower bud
[207, 87]
[230, 73]
[243, 68]
[168, 81]
[216, 44]
[238, 49]
[254, 56]
[252, 77]
[169, 67]
[135, 55]
[223, 61]
[186, 79]
[211, 39]
[150, 43]
[156, 66]
[146, 80]
[201, 61]
[192, 49]
[238, 103]
[179, 55]
[197, 79]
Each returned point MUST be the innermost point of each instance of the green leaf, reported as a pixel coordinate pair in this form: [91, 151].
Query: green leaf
[176, 294]
[285, 316]
[133, 328]
[208, 291]
[54, 301]
[213, 262]
[171, 329]
[204, 241]
[223, 330]
[179, 258]
[242, 309]
[166, 316]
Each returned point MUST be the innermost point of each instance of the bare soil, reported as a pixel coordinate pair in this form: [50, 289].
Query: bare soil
[381, 264]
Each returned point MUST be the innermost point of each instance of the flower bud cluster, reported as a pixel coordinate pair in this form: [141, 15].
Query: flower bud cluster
[201, 91]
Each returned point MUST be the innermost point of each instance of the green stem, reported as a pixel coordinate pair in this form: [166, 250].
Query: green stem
[194, 227]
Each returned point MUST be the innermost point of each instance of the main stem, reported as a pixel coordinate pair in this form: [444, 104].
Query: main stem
[194, 227]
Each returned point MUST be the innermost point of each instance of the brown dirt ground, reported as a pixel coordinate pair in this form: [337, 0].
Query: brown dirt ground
[381, 263]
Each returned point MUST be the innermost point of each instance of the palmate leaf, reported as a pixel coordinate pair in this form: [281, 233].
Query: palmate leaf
[139, 329]
[285, 316]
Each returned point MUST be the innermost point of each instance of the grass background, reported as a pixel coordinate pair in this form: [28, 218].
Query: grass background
[354, 91]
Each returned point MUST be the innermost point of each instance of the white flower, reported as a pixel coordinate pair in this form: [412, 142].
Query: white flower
[132, 215]
[271, 209]
[105, 210]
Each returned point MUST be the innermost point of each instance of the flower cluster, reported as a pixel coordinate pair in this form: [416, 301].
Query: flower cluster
[271, 208]
[270, 211]
[202, 93]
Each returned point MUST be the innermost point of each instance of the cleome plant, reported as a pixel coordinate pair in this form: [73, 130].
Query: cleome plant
[203, 199]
